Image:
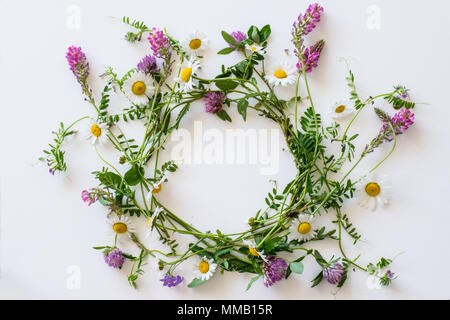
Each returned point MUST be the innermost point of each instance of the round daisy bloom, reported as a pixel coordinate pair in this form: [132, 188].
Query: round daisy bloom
[138, 88]
[252, 249]
[302, 228]
[341, 110]
[120, 225]
[282, 75]
[205, 268]
[373, 191]
[156, 187]
[196, 42]
[253, 48]
[95, 131]
[185, 80]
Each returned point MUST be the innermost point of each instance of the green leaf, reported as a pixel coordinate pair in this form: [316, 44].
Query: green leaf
[265, 33]
[296, 267]
[226, 84]
[226, 50]
[228, 38]
[195, 283]
[242, 108]
[222, 114]
[252, 281]
[134, 175]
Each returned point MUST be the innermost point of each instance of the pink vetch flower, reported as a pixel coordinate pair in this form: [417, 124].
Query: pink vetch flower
[78, 63]
[274, 270]
[310, 57]
[114, 258]
[90, 197]
[304, 24]
[159, 44]
[214, 101]
[148, 65]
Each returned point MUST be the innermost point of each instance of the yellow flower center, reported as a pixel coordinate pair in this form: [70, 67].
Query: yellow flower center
[96, 130]
[340, 109]
[186, 74]
[194, 44]
[138, 88]
[203, 267]
[253, 48]
[304, 228]
[149, 222]
[157, 189]
[373, 189]
[253, 251]
[120, 227]
[280, 74]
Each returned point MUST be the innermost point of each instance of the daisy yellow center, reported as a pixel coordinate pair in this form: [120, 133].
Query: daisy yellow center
[157, 189]
[96, 130]
[138, 88]
[186, 74]
[194, 44]
[120, 227]
[304, 228]
[149, 222]
[253, 251]
[203, 267]
[373, 189]
[280, 74]
[253, 48]
[340, 109]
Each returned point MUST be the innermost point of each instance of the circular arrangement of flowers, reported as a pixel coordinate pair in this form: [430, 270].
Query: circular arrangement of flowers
[278, 239]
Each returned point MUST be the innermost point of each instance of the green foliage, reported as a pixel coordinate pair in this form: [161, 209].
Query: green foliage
[131, 36]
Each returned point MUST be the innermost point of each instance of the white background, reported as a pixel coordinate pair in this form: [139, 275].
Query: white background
[46, 228]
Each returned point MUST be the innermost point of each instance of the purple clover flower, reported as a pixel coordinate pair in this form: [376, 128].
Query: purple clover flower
[114, 258]
[78, 63]
[389, 274]
[311, 57]
[214, 101]
[169, 281]
[238, 36]
[274, 270]
[334, 274]
[402, 120]
[148, 65]
[159, 44]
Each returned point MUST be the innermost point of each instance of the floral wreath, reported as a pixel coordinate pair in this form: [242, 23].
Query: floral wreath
[288, 223]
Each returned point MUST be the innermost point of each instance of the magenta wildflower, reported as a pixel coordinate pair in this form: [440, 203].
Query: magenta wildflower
[114, 258]
[402, 120]
[90, 197]
[78, 63]
[214, 101]
[311, 57]
[159, 44]
[169, 281]
[274, 270]
[238, 36]
[307, 22]
[334, 274]
[148, 65]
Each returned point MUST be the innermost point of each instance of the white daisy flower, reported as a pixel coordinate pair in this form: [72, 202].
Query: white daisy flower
[373, 191]
[138, 88]
[196, 43]
[151, 221]
[205, 268]
[120, 226]
[155, 188]
[302, 228]
[185, 80]
[96, 132]
[252, 249]
[254, 48]
[341, 110]
[282, 74]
